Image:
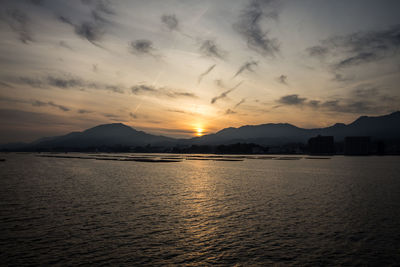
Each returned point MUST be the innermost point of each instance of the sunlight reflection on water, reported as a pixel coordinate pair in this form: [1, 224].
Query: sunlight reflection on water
[254, 212]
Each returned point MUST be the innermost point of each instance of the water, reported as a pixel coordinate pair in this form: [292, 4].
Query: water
[340, 211]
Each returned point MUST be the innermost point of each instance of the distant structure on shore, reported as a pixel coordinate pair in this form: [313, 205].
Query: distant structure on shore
[321, 145]
[357, 145]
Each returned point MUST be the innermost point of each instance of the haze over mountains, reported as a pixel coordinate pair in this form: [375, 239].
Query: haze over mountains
[385, 127]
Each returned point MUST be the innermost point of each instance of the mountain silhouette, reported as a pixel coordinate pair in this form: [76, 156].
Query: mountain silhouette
[385, 127]
[103, 135]
[381, 127]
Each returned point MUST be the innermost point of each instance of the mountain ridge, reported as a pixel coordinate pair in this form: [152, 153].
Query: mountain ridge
[114, 134]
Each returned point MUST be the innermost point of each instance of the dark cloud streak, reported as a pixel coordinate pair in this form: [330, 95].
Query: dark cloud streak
[209, 48]
[160, 92]
[246, 66]
[19, 22]
[201, 76]
[250, 27]
[171, 22]
[359, 48]
[225, 93]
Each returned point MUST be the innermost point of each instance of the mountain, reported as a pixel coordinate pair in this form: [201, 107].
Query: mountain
[103, 135]
[385, 127]
[382, 127]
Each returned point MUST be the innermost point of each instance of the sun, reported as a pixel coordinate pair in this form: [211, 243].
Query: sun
[199, 131]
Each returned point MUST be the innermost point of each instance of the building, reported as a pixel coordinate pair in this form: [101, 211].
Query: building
[321, 145]
[357, 145]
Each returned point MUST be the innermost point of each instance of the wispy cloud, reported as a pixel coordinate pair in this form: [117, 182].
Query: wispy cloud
[39, 103]
[359, 48]
[35, 103]
[318, 51]
[239, 103]
[230, 111]
[209, 48]
[170, 21]
[363, 99]
[219, 83]
[133, 116]
[246, 66]
[19, 22]
[94, 27]
[250, 28]
[225, 93]
[291, 100]
[201, 76]
[84, 111]
[160, 92]
[143, 47]
[283, 79]
[66, 82]
[92, 31]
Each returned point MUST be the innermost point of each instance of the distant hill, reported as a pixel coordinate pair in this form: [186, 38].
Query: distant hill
[102, 135]
[385, 127]
[382, 127]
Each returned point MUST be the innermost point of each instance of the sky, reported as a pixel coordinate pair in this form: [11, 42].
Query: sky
[187, 68]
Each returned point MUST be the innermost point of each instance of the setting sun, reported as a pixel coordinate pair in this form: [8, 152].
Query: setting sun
[199, 131]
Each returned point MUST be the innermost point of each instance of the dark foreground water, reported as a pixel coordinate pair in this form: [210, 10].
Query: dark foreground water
[340, 211]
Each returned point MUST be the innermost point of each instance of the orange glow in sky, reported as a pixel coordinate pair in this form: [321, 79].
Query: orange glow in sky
[199, 131]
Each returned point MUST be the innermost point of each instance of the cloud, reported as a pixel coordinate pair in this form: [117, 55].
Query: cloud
[314, 103]
[114, 88]
[138, 89]
[219, 83]
[342, 78]
[291, 100]
[66, 82]
[201, 76]
[357, 60]
[84, 111]
[170, 21]
[143, 47]
[351, 106]
[239, 103]
[160, 92]
[318, 51]
[32, 82]
[65, 45]
[251, 29]
[19, 22]
[209, 48]
[359, 48]
[111, 116]
[38, 103]
[90, 31]
[229, 112]
[282, 79]
[246, 66]
[35, 103]
[3, 84]
[225, 93]
[363, 99]
[94, 28]
[105, 7]
[365, 91]
[178, 111]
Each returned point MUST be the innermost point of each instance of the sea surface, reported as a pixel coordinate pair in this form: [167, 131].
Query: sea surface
[199, 210]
